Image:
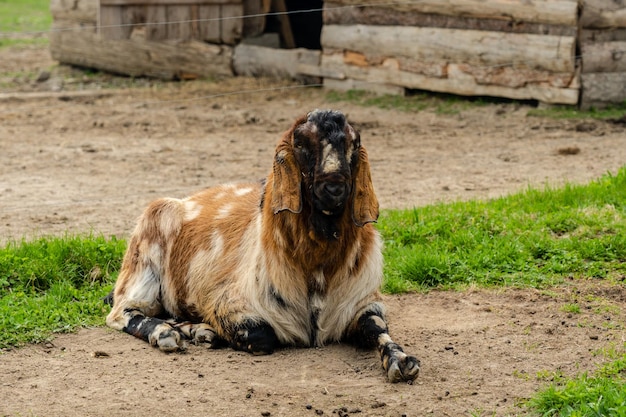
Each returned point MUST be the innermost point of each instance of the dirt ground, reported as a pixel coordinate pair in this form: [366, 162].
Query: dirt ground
[91, 162]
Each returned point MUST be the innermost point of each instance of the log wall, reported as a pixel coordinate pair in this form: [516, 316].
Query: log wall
[514, 49]
[603, 48]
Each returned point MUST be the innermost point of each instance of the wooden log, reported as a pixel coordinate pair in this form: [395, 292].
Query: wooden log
[600, 35]
[75, 11]
[555, 12]
[335, 14]
[603, 14]
[550, 53]
[604, 57]
[232, 23]
[167, 59]
[603, 89]
[254, 60]
[458, 81]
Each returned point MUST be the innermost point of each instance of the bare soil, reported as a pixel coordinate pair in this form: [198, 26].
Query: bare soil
[80, 164]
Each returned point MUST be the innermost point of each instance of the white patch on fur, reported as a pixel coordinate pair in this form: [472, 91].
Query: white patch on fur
[192, 210]
[330, 160]
[243, 191]
[224, 211]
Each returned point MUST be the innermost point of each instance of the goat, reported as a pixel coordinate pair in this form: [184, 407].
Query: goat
[291, 260]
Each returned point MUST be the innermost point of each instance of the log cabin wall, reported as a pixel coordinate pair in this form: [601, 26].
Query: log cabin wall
[552, 51]
[603, 48]
[515, 49]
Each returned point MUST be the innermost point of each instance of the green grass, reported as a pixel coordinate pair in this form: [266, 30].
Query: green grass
[571, 112]
[531, 239]
[54, 285]
[603, 394]
[24, 16]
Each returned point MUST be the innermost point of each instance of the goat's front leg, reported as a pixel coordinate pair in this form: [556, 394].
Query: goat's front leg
[369, 330]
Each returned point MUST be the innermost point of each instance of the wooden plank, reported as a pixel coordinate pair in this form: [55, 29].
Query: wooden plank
[179, 25]
[232, 23]
[253, 60]
[458, 81]
[550, 53]
[163, 2]
[604, 57]
[555, 12]
[78, 11]
[603, 89]
[156, 22]
[167, 59]
[253, 26]
[210, 23]
[285, 26]
[334, 14]
[110, 24]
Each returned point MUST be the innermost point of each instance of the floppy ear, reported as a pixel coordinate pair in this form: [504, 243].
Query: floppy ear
[365, 203]
[286, 193]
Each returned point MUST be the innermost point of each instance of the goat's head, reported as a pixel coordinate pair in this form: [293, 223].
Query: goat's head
[320, 162]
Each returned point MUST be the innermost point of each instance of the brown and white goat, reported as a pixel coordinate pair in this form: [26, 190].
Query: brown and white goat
[292, 260]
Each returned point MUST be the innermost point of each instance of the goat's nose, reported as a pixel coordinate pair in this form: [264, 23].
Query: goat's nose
[335, 189]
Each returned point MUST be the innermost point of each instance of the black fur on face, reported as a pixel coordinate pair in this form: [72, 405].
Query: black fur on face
[325, 146]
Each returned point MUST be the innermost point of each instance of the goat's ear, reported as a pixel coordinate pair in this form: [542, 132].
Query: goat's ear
[286, 193]
[365, 203]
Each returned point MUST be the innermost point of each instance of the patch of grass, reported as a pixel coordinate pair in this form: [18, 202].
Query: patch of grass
[570, 112]
[571, 308]
[24, 17]
[531, 239]
[603, 394]
[54, 285]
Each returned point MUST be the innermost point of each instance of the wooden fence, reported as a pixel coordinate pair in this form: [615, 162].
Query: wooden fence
[552, 51]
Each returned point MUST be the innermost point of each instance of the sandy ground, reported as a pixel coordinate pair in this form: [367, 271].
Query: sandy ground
[90, 163]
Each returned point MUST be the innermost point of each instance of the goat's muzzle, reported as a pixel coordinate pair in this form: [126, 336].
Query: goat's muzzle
[331, 195]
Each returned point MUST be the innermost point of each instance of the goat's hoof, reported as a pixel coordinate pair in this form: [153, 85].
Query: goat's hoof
[167, 339]
[403, 368]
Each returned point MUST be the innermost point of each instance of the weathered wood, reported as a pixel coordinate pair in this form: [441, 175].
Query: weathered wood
[210, 25]
[335, 14]
[285, 26]
[179, 22]
[156, 23]
[255, 24]
[167, 59]
[253, 60]
[555, 12]
[232, 23]
[458, 81]
[550, 53]
[163, 2]
[78, 11]
[603, 14]
[600, 35]
[602, 89]
[604, 57]
[110, 23]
